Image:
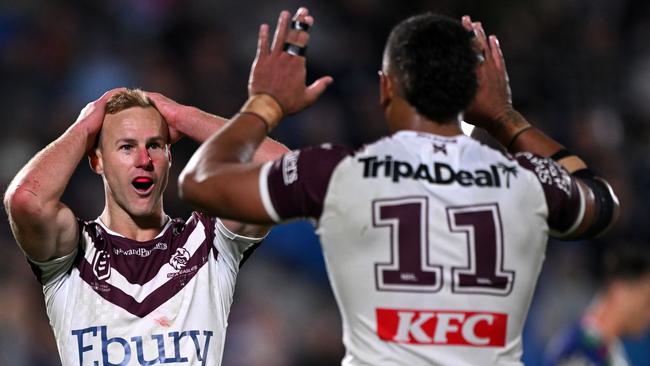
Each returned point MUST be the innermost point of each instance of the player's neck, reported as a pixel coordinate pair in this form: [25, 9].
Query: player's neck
[402, 116]
[141, 228]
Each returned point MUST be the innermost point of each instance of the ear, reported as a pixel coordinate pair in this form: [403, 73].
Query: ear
[386, 89]
[95, 161]
[169, 153]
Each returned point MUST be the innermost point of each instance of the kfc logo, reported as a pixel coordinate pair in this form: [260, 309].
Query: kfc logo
[478, 329]
[179, 259]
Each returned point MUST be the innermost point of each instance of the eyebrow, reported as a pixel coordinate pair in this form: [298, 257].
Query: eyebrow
[133, 141]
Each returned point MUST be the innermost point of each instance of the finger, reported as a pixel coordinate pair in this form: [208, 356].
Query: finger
[101, 101]
[109, 94]
[317, 88]
[155, 97]
[280, 32]
[481, 40]
[467, 23]
[497, 54]
[300, 37]
[480, 35]
[263, 41]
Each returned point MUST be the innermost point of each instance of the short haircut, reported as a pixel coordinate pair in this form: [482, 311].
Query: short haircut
[628, 262]
[123, 100]
[126, 99]
[434, 63]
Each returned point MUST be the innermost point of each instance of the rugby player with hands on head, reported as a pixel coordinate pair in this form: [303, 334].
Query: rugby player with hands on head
[133, 286]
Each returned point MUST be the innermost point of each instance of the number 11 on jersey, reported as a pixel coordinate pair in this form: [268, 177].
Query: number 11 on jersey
[412, 268]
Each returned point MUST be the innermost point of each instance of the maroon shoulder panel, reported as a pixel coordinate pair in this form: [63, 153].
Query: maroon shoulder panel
[560, 189]
[299, 180]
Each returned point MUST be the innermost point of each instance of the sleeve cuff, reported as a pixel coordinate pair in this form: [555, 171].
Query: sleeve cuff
[264, 192]
[236, 237]
[52, 269]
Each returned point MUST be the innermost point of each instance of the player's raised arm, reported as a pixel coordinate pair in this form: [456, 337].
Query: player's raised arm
[276, 88]
[44, 227]
[492, 110]
[198, 125]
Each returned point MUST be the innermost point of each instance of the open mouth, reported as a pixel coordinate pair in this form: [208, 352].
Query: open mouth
[142, 184]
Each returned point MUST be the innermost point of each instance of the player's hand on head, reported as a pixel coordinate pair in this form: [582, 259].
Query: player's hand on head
[279, 69]
[91, 116]
[493, 97]
[170, 111]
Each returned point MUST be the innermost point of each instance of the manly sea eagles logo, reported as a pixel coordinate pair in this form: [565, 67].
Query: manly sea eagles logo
[180, 258]
[102, 265]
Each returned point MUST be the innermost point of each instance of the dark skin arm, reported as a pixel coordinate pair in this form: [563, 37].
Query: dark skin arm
[200, 126]
[220, 178]
[492, 110]
[220, 169]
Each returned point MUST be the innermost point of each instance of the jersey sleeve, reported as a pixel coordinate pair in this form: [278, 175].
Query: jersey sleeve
[48, 271]
[236, 248]
[564, 198]
[295, 185]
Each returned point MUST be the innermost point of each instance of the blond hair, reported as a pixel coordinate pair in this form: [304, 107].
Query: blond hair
[126, 99]
[123, 100]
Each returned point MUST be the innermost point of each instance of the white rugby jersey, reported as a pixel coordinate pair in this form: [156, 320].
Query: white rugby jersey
[117, 301]
[433, 245]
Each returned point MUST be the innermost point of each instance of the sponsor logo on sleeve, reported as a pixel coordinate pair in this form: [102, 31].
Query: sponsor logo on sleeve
[462, 328]
[290, 167]
[549, 172]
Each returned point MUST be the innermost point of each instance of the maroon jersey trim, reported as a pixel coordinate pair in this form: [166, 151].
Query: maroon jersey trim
[298, 182]
[563, 195]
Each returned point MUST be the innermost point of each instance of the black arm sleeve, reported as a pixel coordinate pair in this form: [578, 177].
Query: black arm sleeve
[606, 202]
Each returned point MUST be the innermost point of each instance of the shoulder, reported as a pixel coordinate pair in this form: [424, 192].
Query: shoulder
[322, 157]
[311, 166]
[296, 184]
[564, 198]
[547, 171]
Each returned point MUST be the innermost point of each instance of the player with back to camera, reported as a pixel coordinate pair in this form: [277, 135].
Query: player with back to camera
[132, 287]
[433, 242]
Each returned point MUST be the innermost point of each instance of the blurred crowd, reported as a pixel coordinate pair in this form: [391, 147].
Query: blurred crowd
[579, 69]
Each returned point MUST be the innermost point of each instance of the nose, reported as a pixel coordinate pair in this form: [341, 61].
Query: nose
[144, 159]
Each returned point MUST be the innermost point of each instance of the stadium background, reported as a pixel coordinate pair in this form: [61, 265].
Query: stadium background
[580, 69]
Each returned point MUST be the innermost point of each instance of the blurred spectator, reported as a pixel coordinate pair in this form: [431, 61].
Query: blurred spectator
[620, 309]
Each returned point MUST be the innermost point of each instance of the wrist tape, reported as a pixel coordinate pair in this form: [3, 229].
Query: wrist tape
[265, 107]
